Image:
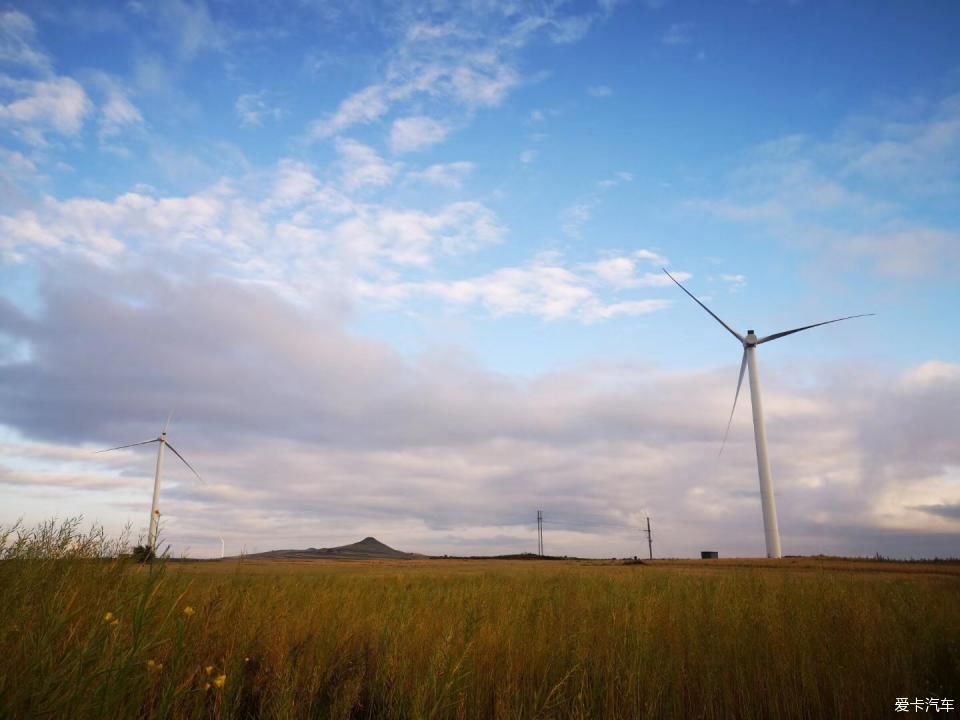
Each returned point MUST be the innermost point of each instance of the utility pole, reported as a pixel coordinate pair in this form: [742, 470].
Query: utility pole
[540, 533]
[649, 538]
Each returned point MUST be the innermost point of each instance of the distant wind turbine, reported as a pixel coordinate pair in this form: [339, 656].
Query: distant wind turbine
[155, 507]
[770, 527]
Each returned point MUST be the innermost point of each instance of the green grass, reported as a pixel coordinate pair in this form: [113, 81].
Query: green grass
[463, 639]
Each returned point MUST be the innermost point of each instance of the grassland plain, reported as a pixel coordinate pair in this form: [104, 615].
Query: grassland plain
[105, 638]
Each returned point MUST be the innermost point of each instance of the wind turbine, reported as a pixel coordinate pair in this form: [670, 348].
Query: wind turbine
[154, 508]
[750, 342]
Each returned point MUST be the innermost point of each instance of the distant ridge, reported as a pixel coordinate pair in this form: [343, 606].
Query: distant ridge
[367, 549]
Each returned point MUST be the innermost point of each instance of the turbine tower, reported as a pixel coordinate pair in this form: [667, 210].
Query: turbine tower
[155, 506]
[750, 342]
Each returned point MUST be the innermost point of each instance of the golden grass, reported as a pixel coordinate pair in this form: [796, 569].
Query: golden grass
[473, 639]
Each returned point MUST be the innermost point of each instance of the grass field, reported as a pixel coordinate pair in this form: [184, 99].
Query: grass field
[88, 638]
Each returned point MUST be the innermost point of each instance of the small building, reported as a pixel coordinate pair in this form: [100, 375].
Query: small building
[709, 554]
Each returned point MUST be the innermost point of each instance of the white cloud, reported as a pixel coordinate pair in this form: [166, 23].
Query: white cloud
[419, 132]
[289, 227]
[117, 112]
[544, 288]
[485, 85]
[363, 107]
[621, 271]
[599, 91]
[467, 62]
[847, 198]
[450, 175]
[733, 282]
[571, 29]
[17, 46]
[192, 27]
[361, 166]
[294, 184]
[58, 105]
[574, 217]
[651, 257]
[917, 155]
[528, 156]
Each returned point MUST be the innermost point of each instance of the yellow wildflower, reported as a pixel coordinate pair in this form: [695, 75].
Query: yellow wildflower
[188, 611]
[220, 681]
[209, 669]
[154, 666]
[108, 617]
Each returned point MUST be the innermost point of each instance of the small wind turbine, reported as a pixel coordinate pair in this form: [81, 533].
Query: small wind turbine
[223, 548]
[154, 508]
[770, 527]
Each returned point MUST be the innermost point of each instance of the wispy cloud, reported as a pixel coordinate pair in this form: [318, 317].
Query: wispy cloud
[59, 105]
[361, 166]
[599, 91]
[574, 217]
[419, 132]
[546, 288]
[253, 109]
[847, 196]
[451, 175]
[734, 282]
[466, 62]
[18, 43]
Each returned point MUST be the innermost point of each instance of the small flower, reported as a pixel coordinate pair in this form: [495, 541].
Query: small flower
[153, 666]
[206, 686]
[246, 659]
[220, 681]
[108, 617]
[188, 611]
[209, 669]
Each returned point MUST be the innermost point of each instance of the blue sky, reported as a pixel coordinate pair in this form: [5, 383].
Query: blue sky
[418, 246]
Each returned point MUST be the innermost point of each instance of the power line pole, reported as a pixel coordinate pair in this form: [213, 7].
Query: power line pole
[540, 533]
[649, 538]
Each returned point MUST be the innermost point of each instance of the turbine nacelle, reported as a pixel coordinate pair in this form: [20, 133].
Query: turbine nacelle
[750, 339]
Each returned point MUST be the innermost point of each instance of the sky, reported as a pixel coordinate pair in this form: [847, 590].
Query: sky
[396, 270]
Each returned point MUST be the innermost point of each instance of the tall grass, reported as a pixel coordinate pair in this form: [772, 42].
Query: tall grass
[86, 636]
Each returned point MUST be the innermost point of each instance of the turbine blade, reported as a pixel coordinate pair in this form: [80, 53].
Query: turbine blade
[733, 332]
[121, 447]
[174, 450]
[743, 367]
[167, 423]
[779, 335]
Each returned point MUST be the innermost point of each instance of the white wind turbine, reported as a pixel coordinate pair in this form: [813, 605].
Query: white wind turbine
[155, 507]
[750, 341]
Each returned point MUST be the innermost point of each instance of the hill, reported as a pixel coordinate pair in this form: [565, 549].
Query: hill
[367, 549]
